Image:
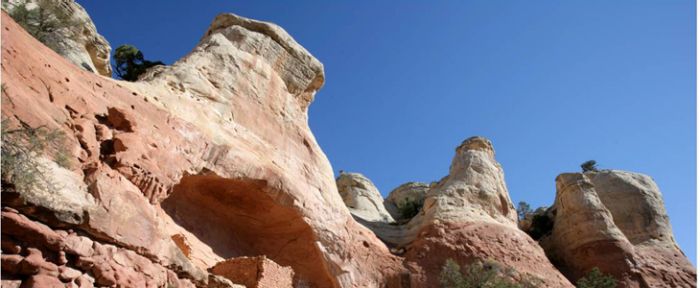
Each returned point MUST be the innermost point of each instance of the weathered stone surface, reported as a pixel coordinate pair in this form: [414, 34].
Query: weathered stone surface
[411, 192]
[212, 158]
[636, 205]
[200, 148]
[41, 265]
[468, 215]
[616, 221]
[481, 241]
[362, 198]
[256, 272]
[76, 40]
[474, 190]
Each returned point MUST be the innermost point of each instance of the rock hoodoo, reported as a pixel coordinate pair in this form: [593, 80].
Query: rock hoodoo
[468, 215]
[205, 173]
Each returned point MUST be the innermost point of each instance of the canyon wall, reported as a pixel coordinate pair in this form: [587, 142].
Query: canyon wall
[205, 173]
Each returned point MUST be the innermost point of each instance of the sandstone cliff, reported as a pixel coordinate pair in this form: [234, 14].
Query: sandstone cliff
[205, 160]
[616, 221]
[205, 174]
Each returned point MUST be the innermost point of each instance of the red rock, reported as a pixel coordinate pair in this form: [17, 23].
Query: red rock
[10, 247]
[257, 272]
[31, 264]
[161, 151]
[85, 281]
[10, 263]
[67, 274]
[42, 281]
[466, 243]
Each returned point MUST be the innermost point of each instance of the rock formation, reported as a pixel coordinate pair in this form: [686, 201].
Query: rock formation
[616, 221]
[468, 215]
[362, 198]
[206, 174]
[205, 160]
[411, 192]
[76, 38]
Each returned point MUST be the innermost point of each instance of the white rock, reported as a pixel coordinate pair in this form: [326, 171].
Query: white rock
[362, 198]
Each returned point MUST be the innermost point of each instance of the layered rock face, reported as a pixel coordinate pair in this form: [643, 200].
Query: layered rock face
[616, 221]
[75, 38]
[205, 160]
[362, 198]
[206, 174]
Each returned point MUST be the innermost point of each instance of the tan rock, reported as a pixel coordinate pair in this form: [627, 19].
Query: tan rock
[78, 40]
[9, 283]
[468, 215]
[474, 190]
[411, 192]
[362, 198]
[636, 205]
[616, 221]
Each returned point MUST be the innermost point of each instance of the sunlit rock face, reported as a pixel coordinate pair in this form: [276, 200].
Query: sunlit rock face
[206, 160]
[207, 168]
[616, 221]
[468, 216]
[475, 189]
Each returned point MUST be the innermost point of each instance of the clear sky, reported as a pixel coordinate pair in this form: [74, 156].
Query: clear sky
[551, 83]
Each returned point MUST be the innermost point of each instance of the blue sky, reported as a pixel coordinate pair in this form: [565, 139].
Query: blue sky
[551, 83]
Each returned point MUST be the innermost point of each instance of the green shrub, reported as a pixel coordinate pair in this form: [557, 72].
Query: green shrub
[21, 149]
[409, 209]
[596, 279]
[129, 63]
[541, 226]
[589, 166]
[523, 210]
[480, 275]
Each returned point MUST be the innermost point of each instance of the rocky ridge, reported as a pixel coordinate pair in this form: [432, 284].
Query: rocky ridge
[205, 174]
